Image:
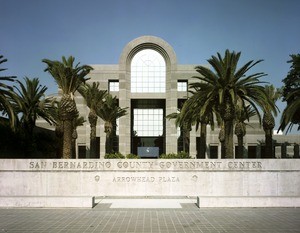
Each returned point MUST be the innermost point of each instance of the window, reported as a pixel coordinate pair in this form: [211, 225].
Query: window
[213, 151]
[252, 152]
[148, 72]
[81, 151]
[182, 85]
[148, 122]
[113, 85]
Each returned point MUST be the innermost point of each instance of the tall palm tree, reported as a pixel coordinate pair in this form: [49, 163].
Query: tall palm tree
[195, 111]
[68, 77]
[291, 94]
[79, 121]
[291, 113]
[94, 98]
[225, 85]
[109, 112]
[59, 130]
[7, 93]
[242, 115]
[185, 128]
[30, 103]
[268, 121]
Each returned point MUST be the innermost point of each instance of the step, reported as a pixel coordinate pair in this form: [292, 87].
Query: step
[144, 202]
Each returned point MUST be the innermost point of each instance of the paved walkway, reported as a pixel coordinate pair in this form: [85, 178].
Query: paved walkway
[187, 219]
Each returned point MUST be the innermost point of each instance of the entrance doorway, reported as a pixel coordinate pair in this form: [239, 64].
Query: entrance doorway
[148, 127]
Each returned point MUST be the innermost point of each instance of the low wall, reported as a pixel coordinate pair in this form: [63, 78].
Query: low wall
[23, 182]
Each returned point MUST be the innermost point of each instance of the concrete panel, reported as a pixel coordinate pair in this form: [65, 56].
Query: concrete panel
[255, 178]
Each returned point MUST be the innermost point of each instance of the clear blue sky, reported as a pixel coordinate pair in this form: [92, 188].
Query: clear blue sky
[96, 31]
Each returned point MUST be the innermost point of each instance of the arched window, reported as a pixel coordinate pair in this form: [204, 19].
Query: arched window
[148, 72]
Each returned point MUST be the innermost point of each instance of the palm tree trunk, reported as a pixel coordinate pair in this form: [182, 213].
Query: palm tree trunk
[228, 142]
[108, 144]
[74, 137]
[28, 139]
[202, 141]
[240, 152]
[269, 144]
[67, 139]
[93, 140]
[93, 144]
[186, 140]
[59, 132]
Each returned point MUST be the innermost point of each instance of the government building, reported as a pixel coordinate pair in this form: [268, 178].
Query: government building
[151, 84]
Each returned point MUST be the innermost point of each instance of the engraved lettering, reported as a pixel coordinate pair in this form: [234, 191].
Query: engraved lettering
[66, 165]
[259, 165]
[72, 165]
[162, 165]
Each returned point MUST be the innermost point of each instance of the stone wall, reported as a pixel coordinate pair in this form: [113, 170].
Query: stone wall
[23, 182]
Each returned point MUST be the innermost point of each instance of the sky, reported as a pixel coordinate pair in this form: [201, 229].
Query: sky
[96, 31]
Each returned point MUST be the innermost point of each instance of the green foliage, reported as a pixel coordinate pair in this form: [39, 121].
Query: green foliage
[7, 93]
[132, 156]
[179, 155]
[116, 155]
[224, 87]
[68, 75]
[291, 94]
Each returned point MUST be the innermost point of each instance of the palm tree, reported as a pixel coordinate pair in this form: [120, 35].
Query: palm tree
[30, 103]
[79, 121]
[242, 115]
[59, 130]
[185, 128]
[69, 78]
[291, 113]
[291, 94]
[226, 85]
[268, 121]
[94, 99]
[7, 93]
[194, 110]
[109, 112]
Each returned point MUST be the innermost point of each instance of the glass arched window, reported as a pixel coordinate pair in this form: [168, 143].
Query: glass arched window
[148, 72]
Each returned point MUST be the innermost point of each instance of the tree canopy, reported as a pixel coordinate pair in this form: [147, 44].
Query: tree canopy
[291, 94]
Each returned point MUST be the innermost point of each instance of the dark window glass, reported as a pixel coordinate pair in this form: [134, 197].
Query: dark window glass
[213, 152]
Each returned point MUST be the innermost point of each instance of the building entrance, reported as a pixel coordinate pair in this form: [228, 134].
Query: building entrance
[148, 127]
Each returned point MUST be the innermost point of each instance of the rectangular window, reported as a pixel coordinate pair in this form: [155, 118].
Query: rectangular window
[182, 85]
[213, 152]
[81, 151]
[148, 122]
[252, 152]
[113, 85]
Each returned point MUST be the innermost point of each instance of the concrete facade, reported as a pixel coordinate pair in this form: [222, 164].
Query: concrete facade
[216, 183]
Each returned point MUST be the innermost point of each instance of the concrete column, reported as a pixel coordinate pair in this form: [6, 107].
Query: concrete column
[219, 151]
[102, 138]
[258, 151]
[245, 150]
[193, 142]
[125, 121]
[283, 150]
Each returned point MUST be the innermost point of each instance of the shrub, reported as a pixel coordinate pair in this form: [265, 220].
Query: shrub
[180, 155]
[132, 156]
[114, 156]
[183, 155]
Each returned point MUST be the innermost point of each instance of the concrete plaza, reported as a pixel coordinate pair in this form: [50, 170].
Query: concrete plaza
[187, 219]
